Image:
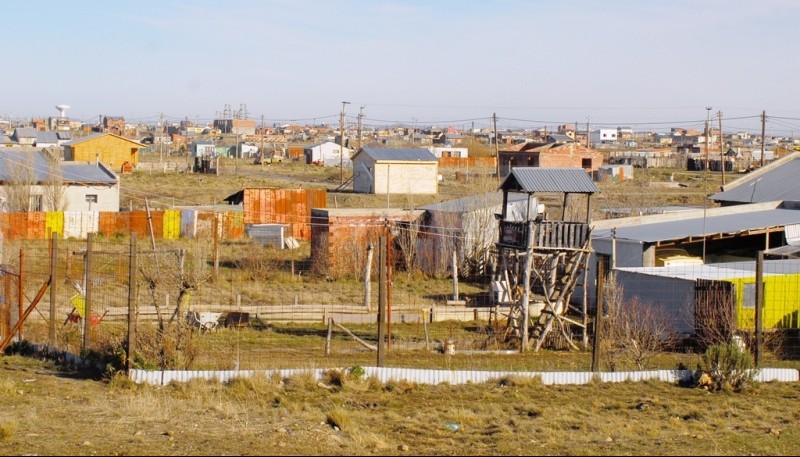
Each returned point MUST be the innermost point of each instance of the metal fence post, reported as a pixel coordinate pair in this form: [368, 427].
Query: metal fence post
[132, 296]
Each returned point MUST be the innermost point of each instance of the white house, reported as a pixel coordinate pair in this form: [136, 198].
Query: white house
[395, 171]
[327, 153]
[603, 136]
[34, 181]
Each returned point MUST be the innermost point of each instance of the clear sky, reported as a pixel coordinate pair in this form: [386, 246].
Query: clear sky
[648, 64]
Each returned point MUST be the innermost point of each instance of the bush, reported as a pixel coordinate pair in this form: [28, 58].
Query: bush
[727, 366]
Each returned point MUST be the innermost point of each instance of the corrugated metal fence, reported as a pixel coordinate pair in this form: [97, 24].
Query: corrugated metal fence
[168, 224]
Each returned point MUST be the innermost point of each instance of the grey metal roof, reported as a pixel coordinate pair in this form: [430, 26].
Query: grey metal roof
[698, 226]
[537, 179]
[777, 181]
[472, 203]
[47, 137]
[13, 164]
[25, 132]
[719, 271]
[91, 136]
[402, 155]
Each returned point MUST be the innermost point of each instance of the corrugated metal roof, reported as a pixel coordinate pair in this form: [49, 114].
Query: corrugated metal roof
[699, 226]
[473, 202]
[47, 137]
[537, 179]
[777, 181]
[719, 271]
[25, 132]
[88, 137]
[92, 136]
[14, 162]
[401, 155]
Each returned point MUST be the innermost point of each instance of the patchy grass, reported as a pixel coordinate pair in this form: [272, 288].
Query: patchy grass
[268, 416]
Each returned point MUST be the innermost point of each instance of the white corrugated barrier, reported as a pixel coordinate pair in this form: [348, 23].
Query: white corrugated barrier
[427, 376]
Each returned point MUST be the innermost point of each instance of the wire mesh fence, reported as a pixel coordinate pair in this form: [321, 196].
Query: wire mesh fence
[200, 304]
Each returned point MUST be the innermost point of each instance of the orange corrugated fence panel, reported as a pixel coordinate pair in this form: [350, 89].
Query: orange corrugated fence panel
[234, 224]
[36, 225]
[107, 224]
[137, 222]
[18, 226]
[205, 224]
[157, 218]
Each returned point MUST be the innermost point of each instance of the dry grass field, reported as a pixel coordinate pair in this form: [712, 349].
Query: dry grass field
[49, 412]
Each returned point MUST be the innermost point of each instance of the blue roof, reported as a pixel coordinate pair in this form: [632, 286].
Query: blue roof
[401, 155]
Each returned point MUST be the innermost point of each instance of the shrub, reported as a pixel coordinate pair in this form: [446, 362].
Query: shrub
[728, 366]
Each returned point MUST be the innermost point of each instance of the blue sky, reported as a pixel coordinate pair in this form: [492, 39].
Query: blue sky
[644, 63]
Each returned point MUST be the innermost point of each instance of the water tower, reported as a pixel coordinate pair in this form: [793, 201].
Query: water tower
[62, 110]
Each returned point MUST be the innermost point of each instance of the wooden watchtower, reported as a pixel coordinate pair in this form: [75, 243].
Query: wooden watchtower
[543, 251]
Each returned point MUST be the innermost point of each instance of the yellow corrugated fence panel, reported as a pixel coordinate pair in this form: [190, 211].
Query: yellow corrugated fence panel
[172, 224]
[54, 223]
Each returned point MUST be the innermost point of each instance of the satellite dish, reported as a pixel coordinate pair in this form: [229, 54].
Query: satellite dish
[62, 110]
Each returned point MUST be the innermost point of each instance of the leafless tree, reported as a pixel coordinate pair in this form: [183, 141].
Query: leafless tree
[19, 189]
[177, 273]
[634, 332]
[714, 313]
[53, 187]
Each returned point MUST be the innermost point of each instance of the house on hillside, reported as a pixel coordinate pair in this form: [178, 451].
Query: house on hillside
[774, 182]
[327, 153]
[112, 150]
[35, 181]
[395, 171]
[550, 155]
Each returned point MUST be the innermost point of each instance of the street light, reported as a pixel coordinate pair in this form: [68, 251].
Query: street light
[341, 144]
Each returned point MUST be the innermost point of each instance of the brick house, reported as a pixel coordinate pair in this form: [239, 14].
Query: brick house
[550, 155]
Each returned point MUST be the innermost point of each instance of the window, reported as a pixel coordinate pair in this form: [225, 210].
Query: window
[36, 203]
[91, 198]
[586, 163]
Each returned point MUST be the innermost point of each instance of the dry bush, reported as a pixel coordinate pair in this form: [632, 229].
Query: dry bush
[634, 333]
[729, 365]
[7, 429]
[338, 417]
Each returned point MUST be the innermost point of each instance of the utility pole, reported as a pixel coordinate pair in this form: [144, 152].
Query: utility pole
[763, 127]
[341, 144]
[261, 149]
[360, 125]
[721, 146]
[161, 138]
[496, 145]
[587, 131]
[708, 135]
